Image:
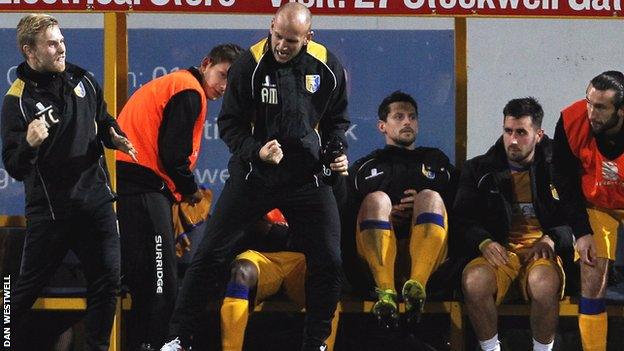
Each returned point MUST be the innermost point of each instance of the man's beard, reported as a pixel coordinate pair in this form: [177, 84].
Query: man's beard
[516, 155]
[608, 124]
[405, 142]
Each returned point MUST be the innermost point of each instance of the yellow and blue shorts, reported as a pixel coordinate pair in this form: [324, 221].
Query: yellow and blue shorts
[278, 270]
[517, 272]
[605, 224]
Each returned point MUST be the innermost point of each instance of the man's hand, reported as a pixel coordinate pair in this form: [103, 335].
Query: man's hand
[37, 132]
[543, 248]
[194, 198]
[404, 209]
[123, 144]
[271, 152]
[495, 254]
[340, 165]
[586, 247]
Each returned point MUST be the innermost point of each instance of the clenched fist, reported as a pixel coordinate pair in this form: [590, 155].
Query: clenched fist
[271, 152]
[37, 132]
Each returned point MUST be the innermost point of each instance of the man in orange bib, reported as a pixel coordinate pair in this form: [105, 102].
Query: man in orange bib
[165, 118]
[589, 169]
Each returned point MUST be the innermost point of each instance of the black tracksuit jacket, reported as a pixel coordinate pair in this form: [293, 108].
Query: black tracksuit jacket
[67, 172]
[300, 103]
[394, 169]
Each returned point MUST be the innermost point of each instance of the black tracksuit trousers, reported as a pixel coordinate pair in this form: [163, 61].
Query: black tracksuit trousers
[311, 212]
[149, 265]
[92, 235]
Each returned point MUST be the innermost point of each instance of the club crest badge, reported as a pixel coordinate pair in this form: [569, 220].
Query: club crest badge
[79, 90]
[312, 82]
[427, 172]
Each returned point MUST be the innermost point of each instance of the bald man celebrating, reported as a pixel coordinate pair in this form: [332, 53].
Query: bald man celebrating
[285, 102]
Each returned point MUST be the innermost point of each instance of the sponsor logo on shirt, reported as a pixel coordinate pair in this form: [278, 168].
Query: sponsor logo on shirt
[373, 173]
[609, 170]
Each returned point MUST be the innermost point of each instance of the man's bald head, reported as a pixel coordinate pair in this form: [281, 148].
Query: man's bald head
[290, 31]
[295, 13]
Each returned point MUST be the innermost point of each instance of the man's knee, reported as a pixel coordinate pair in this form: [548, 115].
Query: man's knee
[478, 282]
[429, 196]
[375, 205]
[543, 284]
[244, 273]
[594, 278]
[429, 201]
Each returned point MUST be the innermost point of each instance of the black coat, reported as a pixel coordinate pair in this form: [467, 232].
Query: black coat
[482, 205]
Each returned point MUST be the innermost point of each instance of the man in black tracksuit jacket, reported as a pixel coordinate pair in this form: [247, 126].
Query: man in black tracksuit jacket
[395, 215]
[401, 169]
[54, 122]
[279, 93]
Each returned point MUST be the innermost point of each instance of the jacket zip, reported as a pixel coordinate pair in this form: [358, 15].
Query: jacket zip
[506, 204]
[534, 195]
[319, 138]
[45, 191]
[110, 191]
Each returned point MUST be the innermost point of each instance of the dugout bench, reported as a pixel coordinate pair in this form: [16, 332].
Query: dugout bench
[349, 304]
[457, 327]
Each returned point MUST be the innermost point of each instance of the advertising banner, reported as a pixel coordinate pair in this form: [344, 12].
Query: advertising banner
[506, 8]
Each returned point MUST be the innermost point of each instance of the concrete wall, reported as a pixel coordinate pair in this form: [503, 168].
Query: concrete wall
[552, 60]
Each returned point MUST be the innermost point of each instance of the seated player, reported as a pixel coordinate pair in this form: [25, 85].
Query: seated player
[277, 265]
[400, 194]
[508, 209]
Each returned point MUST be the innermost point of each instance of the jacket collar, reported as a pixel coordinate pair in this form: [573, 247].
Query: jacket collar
[30, 76]
[36, 78]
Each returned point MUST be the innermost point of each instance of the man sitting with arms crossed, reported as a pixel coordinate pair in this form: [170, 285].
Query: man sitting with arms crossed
[400, 193]
[508, 210]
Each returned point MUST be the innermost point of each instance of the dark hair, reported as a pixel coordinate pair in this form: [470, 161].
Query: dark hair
[611, 80]
[397, 96]
[528, 106]
[224, 53]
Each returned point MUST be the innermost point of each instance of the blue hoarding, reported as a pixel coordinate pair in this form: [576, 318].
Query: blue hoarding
[419, 62]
